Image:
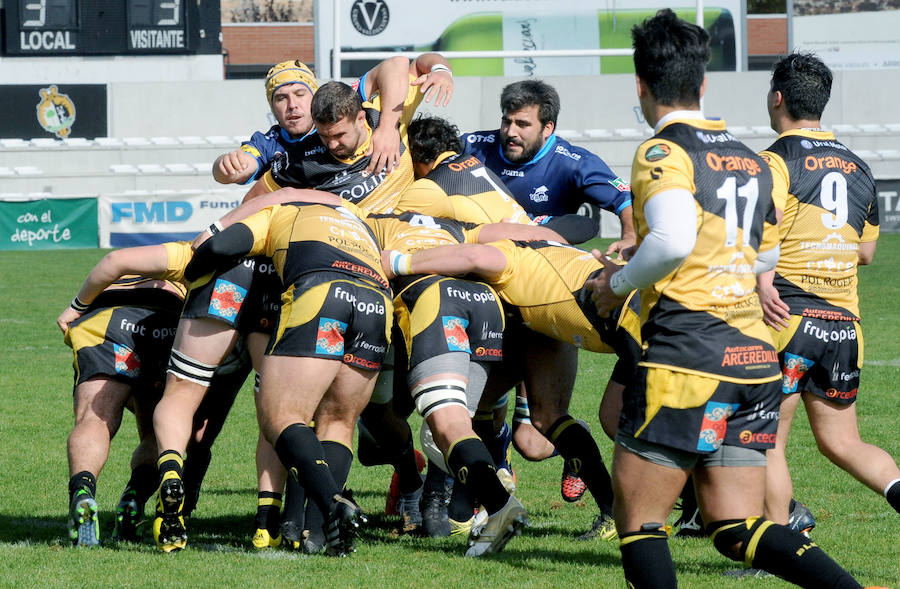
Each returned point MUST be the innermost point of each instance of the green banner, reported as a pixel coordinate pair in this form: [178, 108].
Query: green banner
[48, 224]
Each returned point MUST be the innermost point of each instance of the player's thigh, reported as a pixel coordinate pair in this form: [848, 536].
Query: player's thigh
[730, 492]
[834, 425]
[101, 398]
[448, 425]
[645, 491]
[291, 390]
[205, 340]
[550, 370]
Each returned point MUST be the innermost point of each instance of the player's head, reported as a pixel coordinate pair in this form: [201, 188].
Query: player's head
[670, 57]
[530, 109]
[429, 137]
[290, 86]
[802, 83]
[339, 118]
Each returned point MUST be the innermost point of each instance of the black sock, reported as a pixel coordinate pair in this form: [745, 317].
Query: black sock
[576, 445]
[435, 480]
[495, 441]
[646, 559]
[268, 511]
[82, 480]
[462, 505]
[196, 463]
[169, 460]
[893, 496]
[294, 505]
[142, 484]
[339, 458]
[795, 558]
[406, 468]
[471, 464]
[301, 453]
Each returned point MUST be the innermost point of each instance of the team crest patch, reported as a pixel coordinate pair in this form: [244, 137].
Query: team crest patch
[794, 368]
[226, 300]
[455, 333]
[621, 185]
[330, 337]
[55, 112]
[657, 152]
[127, 362]
[712, 430]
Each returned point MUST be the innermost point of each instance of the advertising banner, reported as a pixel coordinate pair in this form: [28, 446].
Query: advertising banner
[513, 25]
[48, 224]
[888, 205]
[848, 34]
[127, 220]
[59, 111]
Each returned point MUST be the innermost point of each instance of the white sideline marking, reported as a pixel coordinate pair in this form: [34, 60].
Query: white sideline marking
[894, 362]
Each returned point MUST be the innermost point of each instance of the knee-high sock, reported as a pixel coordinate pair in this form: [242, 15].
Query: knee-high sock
[576, 445]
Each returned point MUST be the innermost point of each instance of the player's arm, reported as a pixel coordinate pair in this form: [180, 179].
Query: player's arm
[600, 186]
[625, 245]
[517, 232]
[234, 167]
[432, 73]
[225, 247]
[869, 236]
[148, 260]
[447, 260]
[390, 79]
[866, 252]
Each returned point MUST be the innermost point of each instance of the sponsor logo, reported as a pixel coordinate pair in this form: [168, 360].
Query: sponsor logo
[831, 162]
[657, 152]
[845, 395]
[540, 194]
[55, 112]
[732, 291]
[226, 300]
[563, 151]
[369, 17]
[760, 412]
[465, 295]
[748, 437]
[314, 151]
[367, 272]
[169, 211]
[830, 265]
[481, 351]
[516, 173]
[831, 242]
[721, 137]
[455, 333]
[480, 138]
[127, 362]
[794, 368]
[846, 333]
[715, 422]
[732, 163]
[330, 337]
[806, 144]
[360, 306]
[656, 173]
[621, 185]
[847, 376]
[747, 355]
[361, 362]
[471, 162]
[809, 144]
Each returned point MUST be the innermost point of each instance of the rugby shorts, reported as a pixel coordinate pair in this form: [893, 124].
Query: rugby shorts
[696, 413]
[246, 296]
[821, 357]
[328, 315]
[438, 314]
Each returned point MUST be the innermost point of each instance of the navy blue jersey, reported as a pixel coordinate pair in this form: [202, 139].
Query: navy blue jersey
[265, 146]
[559, 178]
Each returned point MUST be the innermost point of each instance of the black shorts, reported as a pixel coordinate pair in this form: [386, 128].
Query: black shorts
[246, 296]
[438, 315]
[821, 357]
[130, 344]
[328, 315]
[697, 413]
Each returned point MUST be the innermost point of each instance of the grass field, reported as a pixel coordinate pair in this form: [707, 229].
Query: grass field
[854, 525]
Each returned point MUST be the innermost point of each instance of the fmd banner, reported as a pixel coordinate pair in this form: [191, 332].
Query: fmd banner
[128, 220]
[48, 224]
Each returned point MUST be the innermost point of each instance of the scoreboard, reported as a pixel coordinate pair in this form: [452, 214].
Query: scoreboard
[108, 27]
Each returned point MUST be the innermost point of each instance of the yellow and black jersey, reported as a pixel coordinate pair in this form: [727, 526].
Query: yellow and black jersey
[302, 238]
[829, 208]
[705, 316]
[178, 255]
[461, 188]
[308, 164]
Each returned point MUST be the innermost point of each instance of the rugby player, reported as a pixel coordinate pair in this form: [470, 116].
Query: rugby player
[829, 228]
[706, 225]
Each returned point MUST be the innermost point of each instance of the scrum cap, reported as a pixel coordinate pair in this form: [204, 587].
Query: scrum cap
[289, 72]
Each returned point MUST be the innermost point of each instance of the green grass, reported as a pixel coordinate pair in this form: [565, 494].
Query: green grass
[854, 525]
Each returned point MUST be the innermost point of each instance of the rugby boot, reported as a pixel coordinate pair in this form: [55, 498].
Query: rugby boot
[603, 527]
[393, 495]
[263, 540]
[84, 523]
[801, 518]
[434, 515]
[572, 487]
[410, 514]
[344, 519]
[168, 525]
[129, 516]
[492, 536]
[291, 535]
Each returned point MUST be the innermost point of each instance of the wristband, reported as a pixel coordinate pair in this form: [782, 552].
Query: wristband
[401, 264]
[439, 67]
[78, 305]
[215, 228]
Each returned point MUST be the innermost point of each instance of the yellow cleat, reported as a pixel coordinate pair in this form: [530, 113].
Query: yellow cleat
[262, 540]
[169, 532]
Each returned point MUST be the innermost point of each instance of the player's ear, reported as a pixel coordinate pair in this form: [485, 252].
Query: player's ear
[703, 87]
[548, 129]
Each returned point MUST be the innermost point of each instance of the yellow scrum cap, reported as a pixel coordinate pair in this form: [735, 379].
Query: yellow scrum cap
[289, 72]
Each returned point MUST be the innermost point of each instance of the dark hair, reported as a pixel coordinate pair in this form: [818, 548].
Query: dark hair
[333, 102]
[805, 83]
[670, 56]
[430, 136]
[531, 92]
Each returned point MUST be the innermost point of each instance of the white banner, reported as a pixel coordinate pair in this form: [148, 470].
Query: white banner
[128, 220]
[851, 40]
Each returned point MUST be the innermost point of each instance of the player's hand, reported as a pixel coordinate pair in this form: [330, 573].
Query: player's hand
[67, 316]
[385, 150]
[776, 313]
[201, 237]
[601, 294]
[386, 264]
[235, 164]
[625, 248]
[437, 85]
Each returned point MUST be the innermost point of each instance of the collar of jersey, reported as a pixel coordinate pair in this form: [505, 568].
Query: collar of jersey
[823, 135]
[287, 138]
[694, 116]
[548, 145]
[444, 155]
[361, 151]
